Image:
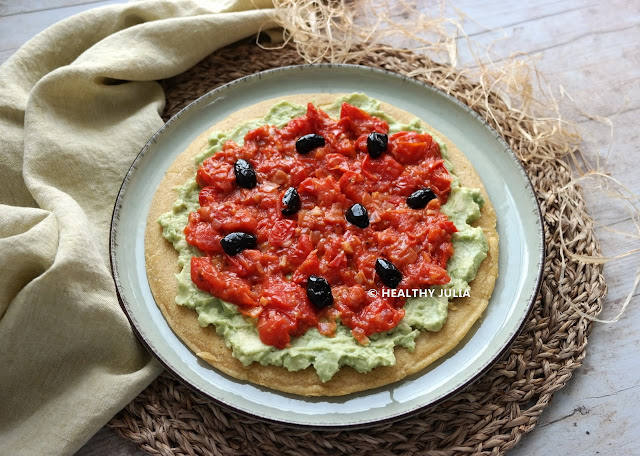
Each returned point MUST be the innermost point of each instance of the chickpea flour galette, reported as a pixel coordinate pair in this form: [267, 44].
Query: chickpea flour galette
[321, 245]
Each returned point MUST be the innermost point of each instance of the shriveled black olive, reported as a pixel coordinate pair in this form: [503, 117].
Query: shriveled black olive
[420, 198]
[377, 144]
[236, 242]
[358, 215]
[307, 143]
[245, 174]
[388, 273]
[291, 201]
[319, 291]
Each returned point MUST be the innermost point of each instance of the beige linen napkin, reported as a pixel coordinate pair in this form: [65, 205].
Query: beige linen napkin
[77, 103]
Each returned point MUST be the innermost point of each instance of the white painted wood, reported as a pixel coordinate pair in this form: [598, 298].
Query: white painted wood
[16, 29]
[4, 55]
[12, 7]
[591, 49]
[592, 52]
[480, 18]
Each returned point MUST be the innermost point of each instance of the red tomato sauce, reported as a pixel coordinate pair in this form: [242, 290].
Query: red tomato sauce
[269, 282]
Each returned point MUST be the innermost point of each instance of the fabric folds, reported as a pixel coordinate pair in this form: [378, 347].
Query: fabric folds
[77, 103]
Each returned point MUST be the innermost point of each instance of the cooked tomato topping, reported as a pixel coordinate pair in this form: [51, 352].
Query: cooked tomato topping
[296, 212]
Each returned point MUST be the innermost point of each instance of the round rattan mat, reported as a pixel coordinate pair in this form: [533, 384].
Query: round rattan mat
[490, 416]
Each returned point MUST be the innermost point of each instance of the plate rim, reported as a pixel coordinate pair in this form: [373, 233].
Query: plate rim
[399, 416]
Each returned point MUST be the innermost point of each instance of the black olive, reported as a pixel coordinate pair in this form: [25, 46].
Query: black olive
[291, 201]
[420, 198]
[234, 243]
[319, 291]
[245, 174]
[388, 273]
[377, 144]
[357, 214]
[307, 143]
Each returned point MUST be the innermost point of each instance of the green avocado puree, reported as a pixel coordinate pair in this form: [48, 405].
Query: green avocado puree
[326, 354]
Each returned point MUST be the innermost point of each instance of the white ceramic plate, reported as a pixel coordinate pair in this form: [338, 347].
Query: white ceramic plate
[519, 227]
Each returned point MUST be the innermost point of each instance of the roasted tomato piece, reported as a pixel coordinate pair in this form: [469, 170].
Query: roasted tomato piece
[424, 273]
[246, 264]
[379, 316]
[227, 287]
[202, 235]
[384, 168]
[275, 328]
[282, 232]
[411, 147]
[359, 122]
[286, 311]
[216, 174]
[353, 185]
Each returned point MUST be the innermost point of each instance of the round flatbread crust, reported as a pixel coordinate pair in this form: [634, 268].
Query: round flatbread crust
[162, 265]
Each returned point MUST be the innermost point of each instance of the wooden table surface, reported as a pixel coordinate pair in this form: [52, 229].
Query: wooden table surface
[591, 49]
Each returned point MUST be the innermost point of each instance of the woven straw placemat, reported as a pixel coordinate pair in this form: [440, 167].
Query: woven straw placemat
[488, 417]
